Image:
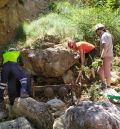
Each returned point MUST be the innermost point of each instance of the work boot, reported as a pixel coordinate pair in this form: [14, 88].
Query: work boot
[2, 106]
[102, 86]
[108, 86]
[24, 95]
[23, 92]
[9, 108]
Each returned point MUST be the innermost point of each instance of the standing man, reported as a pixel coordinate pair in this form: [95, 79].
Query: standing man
[11, 66]
[106, 53]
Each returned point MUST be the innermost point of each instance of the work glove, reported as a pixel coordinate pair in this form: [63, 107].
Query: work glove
[97, 63]
[77, 57]
[100, 62]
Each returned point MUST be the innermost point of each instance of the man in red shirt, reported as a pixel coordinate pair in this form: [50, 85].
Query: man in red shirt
[87, 52]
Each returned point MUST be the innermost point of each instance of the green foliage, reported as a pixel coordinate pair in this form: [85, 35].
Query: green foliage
[22, 2]
[52, 6]
[110, 3]
[64, 8]
[73, 20]
[51, 24]
[94, 95]
[21, 32]
[106, 3]
[86, 18]
[117, 49]
[97, 62]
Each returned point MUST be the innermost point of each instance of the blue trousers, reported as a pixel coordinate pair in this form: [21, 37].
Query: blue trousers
[14, 69]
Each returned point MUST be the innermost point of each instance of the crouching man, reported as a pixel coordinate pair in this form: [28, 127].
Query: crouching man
[11, 61]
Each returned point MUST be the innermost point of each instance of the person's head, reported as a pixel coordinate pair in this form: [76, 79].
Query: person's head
[100, 29]
[71, 44]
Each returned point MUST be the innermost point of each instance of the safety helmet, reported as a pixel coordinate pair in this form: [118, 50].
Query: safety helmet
[70, 43]
[12, 49]
[98, 26]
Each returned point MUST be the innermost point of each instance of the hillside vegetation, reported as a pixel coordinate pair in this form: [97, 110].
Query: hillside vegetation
[72, 20]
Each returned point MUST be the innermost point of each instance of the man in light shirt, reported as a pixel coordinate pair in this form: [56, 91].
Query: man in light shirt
[106, 53]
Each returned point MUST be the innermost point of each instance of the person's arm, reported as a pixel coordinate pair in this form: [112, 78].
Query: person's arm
[1, 59]
[82, 57]
[105, 44]
[20, 61]
[104, 50]
[1, 62]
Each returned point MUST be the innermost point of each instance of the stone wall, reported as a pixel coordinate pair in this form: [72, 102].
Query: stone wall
[13, 12]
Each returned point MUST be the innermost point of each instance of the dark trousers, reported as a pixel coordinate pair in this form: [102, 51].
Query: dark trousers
[13, 74]
[13, 88]
[11, 68]
[90, 57]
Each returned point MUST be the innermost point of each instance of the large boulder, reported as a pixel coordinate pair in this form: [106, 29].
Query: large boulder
[38, 113]
[89, 115]
[3, 115]
[59, 123]
[3, 3]
[13, 12]
[58, 107]
[50, 62]
[19, 123]
[115, 77]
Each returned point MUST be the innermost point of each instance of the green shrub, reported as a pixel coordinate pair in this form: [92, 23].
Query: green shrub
[71, 20]
[85, 18]
[51, 24]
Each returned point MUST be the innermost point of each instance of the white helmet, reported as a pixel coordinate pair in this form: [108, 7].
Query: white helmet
[12, 49]
[99, 25]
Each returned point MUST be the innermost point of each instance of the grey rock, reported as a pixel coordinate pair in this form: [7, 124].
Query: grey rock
[19, 123]
[37, 112]
[50, 62]
[59, 123]
[18, 11]
[89, 115]
[3, 115]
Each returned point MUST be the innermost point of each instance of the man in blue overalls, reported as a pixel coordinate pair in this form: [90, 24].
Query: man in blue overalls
[11, 66]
